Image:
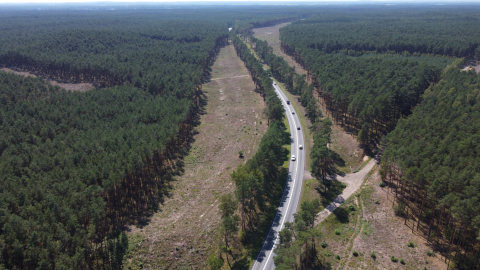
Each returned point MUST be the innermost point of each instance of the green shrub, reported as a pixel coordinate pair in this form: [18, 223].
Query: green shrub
[399, 209]
[337, 232]
[411, 244]
[394, 259]
[377, 202]
[337, 257]
[402, 261]
[351, 207]
[430, 253]
[382, 184]
[355, 253]
[324, 244]
[215, 262]
[373, 255]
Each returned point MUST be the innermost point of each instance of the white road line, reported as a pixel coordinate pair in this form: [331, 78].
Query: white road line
[291, 194]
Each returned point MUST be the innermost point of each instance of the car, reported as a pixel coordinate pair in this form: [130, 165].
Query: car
[300, 146]
[288, 101]
[298, 128]
[293, 112]
[293, 158]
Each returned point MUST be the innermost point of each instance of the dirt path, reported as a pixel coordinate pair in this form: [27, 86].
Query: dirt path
[472, 67]
[184, 232]
[354, 181]
[353, 238]
[82, 87]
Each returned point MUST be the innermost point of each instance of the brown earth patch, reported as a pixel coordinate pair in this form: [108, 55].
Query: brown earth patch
[82, 87]
[472, 67]
[184, 231]
[344, 143]
[374, 227]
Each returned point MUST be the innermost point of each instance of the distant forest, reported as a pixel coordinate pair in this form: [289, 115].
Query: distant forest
[392, 76]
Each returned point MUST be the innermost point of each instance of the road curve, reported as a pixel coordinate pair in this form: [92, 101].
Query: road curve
[293, 187]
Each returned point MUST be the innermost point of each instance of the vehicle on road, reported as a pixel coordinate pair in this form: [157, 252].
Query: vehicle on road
[300, 146]
[293, 112]
[288, 101]
[298, 128]
[293, 158]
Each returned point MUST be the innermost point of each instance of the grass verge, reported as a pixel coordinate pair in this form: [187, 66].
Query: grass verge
[308, 135]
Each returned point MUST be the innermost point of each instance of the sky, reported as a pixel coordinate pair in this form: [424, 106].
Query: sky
[226, 1]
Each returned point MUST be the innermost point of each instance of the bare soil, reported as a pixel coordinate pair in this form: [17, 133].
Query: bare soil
[353, 182]
[373, 227]
[271, 34]
[184, 232]
[472, 66]
[82, 87]
[344, 143]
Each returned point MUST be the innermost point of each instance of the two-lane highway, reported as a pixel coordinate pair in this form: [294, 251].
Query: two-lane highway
[293, 187]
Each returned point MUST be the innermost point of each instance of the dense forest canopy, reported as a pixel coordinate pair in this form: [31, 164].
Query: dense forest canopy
[447, 30]
[437, 147]
[61, 152]
[371, 65]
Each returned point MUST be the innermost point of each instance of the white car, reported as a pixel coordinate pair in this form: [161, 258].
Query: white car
[300, 146]
[293, 112]
[293, 158]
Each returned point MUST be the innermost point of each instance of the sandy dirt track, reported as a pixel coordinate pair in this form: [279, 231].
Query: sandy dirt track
[82, 87]
[353, 181]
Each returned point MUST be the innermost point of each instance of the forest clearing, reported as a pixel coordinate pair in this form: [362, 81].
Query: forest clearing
[184, 232]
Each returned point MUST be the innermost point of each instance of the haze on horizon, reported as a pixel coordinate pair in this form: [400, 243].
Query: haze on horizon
[13, 2]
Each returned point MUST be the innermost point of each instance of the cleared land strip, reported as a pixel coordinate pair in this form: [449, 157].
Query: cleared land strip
[271, 34]
[184, 231]
[241, 76]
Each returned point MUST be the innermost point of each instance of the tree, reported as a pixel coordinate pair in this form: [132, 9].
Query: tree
[227, 205]
[214, 262]
[229, 227]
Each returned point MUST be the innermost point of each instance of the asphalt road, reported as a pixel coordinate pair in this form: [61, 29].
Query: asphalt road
[293, 188]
